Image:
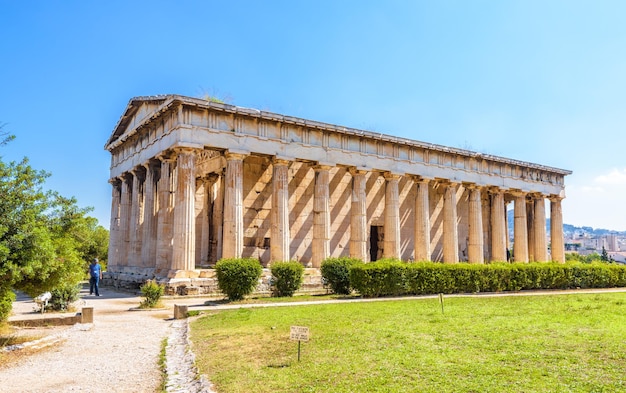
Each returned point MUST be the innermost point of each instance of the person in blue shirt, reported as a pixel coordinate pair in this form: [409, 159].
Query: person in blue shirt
[95, 275]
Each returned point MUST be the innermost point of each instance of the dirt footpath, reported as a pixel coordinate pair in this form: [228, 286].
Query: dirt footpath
[117, 353]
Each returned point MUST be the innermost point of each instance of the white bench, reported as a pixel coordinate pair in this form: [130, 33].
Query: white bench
[42, 300]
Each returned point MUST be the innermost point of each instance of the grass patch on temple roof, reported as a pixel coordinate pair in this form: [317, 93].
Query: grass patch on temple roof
[556, 343]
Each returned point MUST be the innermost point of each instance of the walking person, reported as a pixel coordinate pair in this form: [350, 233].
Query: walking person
[95, 275]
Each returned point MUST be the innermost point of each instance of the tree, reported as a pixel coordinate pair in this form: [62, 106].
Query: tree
[45, 239]
[604, 257]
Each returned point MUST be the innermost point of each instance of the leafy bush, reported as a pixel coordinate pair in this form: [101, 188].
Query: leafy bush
[286, 277]
[7, 296]
[152, 293]
[62, 297]
[336, 273]
[381, 278]
[237, 277]
[395, 278]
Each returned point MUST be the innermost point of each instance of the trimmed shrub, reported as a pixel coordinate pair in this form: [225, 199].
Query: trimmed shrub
[152, 293]
[237, 277]
[286, 278]
[336, 274]
[62, 297]
[381, 278]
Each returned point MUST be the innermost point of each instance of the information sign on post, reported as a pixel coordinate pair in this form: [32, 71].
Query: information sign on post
[299, 334]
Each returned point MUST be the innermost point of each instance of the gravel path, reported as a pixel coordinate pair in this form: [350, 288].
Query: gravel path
[119, 352]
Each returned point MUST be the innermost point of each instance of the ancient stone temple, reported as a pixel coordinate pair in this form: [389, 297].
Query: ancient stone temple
[194, 181]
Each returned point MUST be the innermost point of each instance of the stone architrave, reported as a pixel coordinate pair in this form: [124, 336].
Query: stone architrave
[422, 221]
[321, 215]
[556, 230]
[280, 239]
[498, 226]
[149, 235]
[475, 243]
[114, 237]
[450, 226]
[391, 248]
[165, 218]
[520, 225]
[358, 216]
[184, 212]
[541, 247]
[233, 206]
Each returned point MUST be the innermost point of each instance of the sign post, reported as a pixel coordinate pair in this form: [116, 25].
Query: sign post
[299, 333]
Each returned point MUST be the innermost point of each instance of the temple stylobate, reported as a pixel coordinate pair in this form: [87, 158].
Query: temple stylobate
[194, 181]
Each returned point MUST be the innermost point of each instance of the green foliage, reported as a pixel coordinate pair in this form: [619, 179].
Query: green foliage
[336, 274]
[237, 277]
[152, 293]
[63, 296]
[397, 278]
[6, 301]
[45, 239]
[286, 278]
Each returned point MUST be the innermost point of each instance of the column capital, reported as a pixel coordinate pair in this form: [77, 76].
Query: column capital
[167, 155]
[115, 181]
[420, 179]
[555, 198]
[280, 161]
[322, 167]
[230, 155]
[518, 193]
[357, 171]
[391, 176]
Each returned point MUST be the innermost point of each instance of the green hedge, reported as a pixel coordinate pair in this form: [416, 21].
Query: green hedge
[237, 277]
[336, 274]
[387, 278]
[286, 277]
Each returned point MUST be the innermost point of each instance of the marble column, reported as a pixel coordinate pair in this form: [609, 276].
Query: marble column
[280, 239]
[217, 226]
[450, 225]
[165, 216]
[391, 244]
[422, 221]
[541, 246]
[184, 235]
[498, 226]
[233, 207]
[149, 235]
[136, 214]
[556, 230]
[530, 227]
[358, 216]
[321, 215]
[114, 238]
[475, 248]
[520, 225]
[125, 220]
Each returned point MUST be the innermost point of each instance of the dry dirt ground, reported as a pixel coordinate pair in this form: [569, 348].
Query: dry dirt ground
[119, 352]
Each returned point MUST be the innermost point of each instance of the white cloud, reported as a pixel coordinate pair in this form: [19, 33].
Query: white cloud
[616, 178]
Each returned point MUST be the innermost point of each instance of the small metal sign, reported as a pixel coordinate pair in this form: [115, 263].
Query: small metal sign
[299, 333]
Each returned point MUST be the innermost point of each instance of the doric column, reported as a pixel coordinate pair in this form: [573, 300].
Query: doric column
[165, 217]
[149, 236]
[114, 238]
[358, 216]
[556, 230]
[233, 207]
[136, 214]
[541, 246]
[450, 226]
[498, 226]
[520, 235]
[184, 211]
[125, 219]
[280, 239]
[530, 227]
[475, 247]
[321, 215]
[422, 221]
[391, 245]
[217, 226]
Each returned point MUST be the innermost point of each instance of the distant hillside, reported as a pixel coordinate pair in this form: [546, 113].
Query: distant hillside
[567, 228]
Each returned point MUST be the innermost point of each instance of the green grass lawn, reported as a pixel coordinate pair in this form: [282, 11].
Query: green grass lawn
[556, 343]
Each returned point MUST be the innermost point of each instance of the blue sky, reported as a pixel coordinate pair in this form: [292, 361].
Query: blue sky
[539, 81]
